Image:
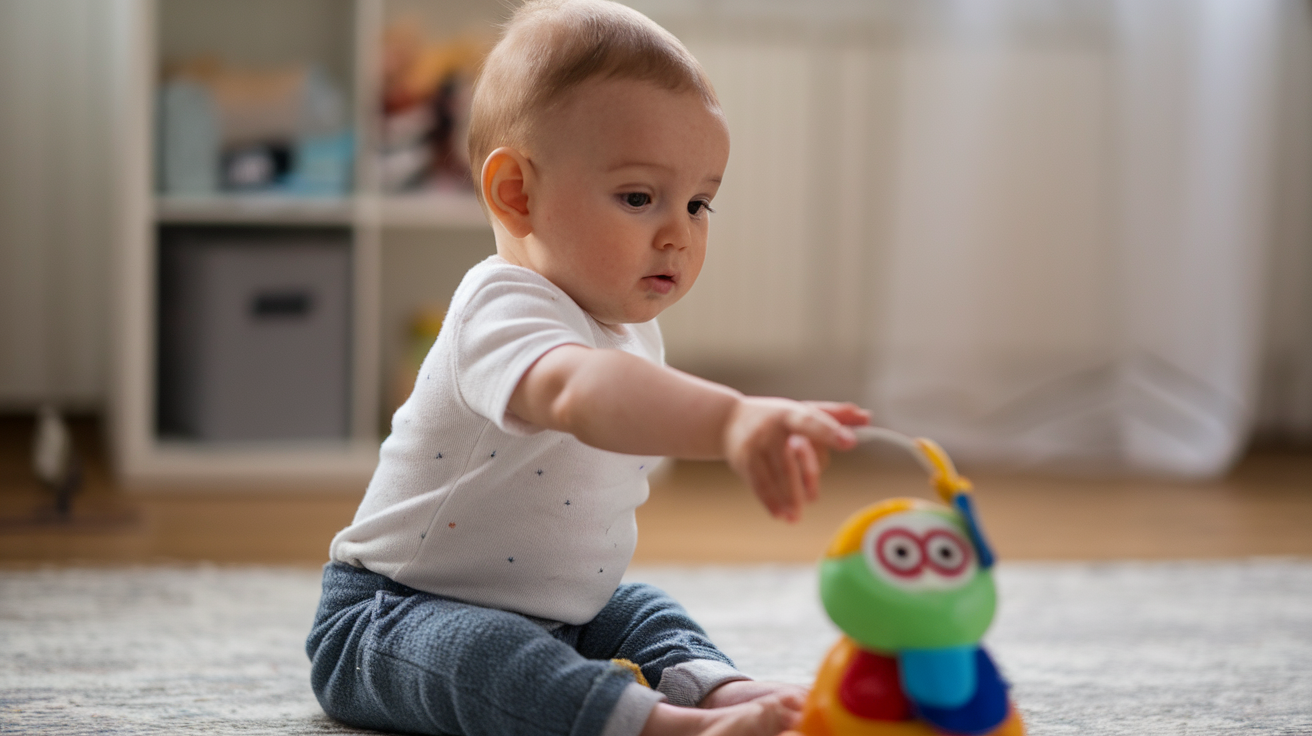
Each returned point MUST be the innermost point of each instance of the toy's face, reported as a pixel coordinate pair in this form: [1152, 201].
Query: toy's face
[919, 550]
[914, 582]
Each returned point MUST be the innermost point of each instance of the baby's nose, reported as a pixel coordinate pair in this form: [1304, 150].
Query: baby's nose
[674, 235]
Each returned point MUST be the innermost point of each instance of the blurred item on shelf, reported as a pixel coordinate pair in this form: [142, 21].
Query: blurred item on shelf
[425, 324]
[426, 90]
[280, 130]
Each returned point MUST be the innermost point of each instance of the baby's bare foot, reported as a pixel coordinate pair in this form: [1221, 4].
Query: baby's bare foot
[764, 717]
[746, 691]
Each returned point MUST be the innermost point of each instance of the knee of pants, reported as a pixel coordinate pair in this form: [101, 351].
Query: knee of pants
[649, 627]
[651, 608]
[645, 598]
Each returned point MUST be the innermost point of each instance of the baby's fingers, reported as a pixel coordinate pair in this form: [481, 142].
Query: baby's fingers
[821, 428]
[843, 411]
[804, 457]
[769, 480]
[794, 481]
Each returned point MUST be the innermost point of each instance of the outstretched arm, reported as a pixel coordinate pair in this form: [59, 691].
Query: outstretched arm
[616, 401]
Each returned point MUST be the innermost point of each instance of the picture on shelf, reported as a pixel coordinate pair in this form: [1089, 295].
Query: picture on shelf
[425, 92]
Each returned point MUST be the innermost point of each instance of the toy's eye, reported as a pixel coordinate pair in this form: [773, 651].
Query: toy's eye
[947, 553]
[900, 553]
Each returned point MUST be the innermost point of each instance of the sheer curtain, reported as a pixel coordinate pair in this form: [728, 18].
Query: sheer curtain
[1096, 248]
[57, 95]
[1068, 234]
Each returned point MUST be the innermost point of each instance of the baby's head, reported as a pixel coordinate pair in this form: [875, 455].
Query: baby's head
[598, 143]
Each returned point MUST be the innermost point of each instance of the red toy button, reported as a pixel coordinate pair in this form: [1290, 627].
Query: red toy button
[870, 689]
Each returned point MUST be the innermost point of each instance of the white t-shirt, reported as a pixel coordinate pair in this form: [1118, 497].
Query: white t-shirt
[470, 502]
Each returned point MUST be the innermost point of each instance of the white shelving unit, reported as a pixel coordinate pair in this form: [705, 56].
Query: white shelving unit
[266, 209]
[438, 209]
[345, 37]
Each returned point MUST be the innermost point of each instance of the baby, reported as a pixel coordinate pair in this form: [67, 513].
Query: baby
[477, 590]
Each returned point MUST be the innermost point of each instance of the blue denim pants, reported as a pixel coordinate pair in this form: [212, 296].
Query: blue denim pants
[388, 657]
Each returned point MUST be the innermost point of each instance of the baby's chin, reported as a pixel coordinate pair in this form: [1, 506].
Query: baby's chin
[638, 307]
[630, 314]
[618, 322]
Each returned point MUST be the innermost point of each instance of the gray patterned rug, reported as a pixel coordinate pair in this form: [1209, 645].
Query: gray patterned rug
[1092, 649]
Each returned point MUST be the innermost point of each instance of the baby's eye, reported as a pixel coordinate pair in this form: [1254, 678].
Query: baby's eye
[636, 199]
[697, 205]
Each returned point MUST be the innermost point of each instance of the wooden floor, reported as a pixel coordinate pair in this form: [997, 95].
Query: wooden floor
[698, 512]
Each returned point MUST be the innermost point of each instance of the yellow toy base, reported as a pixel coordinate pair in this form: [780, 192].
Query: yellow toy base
[824, 714]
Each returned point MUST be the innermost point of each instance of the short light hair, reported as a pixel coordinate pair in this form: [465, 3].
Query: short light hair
[549, 47]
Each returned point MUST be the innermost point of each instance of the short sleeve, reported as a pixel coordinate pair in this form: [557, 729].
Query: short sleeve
[504, 328]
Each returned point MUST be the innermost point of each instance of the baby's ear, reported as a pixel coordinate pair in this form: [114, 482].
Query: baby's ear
[506, 184]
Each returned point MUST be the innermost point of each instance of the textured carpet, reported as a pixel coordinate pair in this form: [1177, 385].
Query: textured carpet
[1126, 648]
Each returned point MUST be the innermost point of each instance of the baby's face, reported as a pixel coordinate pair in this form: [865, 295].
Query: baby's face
[619, 214]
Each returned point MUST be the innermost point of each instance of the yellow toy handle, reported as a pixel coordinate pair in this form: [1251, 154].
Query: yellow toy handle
[942, 473]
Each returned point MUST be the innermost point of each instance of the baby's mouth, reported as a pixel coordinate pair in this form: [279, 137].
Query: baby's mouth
[661, 283]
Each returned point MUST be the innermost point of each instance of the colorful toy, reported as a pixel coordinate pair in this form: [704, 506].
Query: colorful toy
[910, 583]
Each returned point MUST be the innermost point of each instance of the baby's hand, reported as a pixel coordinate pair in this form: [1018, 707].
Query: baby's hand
[779, 446]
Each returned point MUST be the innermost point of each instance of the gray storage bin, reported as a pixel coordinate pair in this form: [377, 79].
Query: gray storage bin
[254, 338]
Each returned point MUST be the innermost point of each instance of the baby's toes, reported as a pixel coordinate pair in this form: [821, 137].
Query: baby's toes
[766, 716]
[793, 700]
[776, 715]
[787, 712]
